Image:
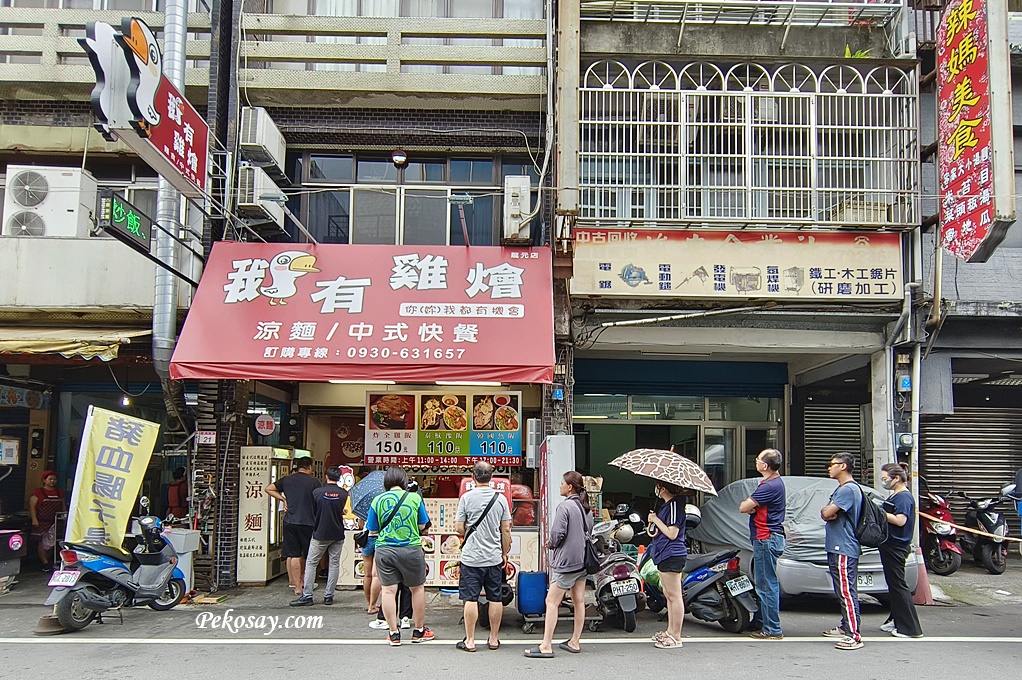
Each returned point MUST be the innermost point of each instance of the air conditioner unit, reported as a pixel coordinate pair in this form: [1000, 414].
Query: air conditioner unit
[261, 142]
[517, 205]
[252, 184]
[48, 201]
[533, 440]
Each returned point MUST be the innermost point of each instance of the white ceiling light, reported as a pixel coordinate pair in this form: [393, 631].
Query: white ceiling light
[363, 382]
[469, 383]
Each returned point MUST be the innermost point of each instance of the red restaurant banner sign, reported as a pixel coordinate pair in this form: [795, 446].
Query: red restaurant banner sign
[974, 128]
[271, 311]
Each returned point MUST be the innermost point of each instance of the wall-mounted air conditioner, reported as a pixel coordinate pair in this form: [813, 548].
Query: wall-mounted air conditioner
[253, 184]
[48, 201]
[517, 205]
[261, 142]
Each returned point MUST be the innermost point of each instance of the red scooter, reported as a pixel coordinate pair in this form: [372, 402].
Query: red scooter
[937, 537]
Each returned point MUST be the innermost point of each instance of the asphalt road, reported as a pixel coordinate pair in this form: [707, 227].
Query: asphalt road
[237, 639]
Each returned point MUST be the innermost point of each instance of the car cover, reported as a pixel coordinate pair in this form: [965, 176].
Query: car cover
[804, 530]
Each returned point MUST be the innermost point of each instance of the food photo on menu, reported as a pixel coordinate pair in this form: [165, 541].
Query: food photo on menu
[451, 545]
[428, 544]
[391, 412]
[443, 412]
[495, 412]
[450, 570]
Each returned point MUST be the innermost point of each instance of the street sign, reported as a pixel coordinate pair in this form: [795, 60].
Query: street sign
[124, 221]
[205, 437]
[265, 424]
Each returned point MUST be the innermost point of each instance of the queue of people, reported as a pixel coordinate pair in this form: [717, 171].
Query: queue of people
[396, 569]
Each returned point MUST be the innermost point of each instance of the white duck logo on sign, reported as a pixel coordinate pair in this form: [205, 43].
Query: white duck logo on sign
[146, 63]
[284, 270]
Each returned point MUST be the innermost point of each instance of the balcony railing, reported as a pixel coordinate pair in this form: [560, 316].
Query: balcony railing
[347, 60]
[746, 12]
[698, 145]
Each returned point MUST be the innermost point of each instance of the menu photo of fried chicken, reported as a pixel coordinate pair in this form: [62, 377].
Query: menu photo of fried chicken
[391, 411]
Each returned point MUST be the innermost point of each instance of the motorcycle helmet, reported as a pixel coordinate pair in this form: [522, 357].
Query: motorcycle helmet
[693, 516]
[507, 594]
[624, 533]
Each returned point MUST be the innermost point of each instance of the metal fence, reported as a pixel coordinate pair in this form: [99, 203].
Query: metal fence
[751, 144]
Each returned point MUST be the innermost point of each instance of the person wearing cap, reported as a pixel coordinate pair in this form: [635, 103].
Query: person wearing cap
[43, 506]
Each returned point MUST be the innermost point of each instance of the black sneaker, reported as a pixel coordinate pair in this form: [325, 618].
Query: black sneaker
[328, 599]
[395, 638]
[302, 602]
[422, 635]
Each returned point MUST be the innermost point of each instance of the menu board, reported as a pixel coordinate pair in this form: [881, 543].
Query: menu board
[443, 428]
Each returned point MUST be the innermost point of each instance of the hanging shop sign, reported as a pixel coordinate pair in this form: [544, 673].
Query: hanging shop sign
[360, 312]
[112, 460]
[133, 101]
[974, 128]
[803, 265]
[446, 428]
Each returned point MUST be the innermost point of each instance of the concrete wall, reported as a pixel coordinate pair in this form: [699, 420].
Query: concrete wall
[68, 273]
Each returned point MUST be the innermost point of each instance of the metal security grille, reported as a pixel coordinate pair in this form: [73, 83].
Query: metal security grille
[975, 450]
[666, 146]
[830, 429]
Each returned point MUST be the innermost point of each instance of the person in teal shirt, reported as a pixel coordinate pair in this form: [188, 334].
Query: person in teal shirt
[397, 517]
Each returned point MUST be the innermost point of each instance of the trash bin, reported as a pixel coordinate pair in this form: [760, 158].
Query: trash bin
[185, 542]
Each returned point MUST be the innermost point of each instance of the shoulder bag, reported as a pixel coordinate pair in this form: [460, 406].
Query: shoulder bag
[592, 560]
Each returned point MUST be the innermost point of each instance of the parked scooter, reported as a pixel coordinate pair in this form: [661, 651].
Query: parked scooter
[983, 515]
[617, 585]
[95, 578]
[938, 538]
[713, 586]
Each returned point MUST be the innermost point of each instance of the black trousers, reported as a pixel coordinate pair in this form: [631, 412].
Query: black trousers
[404, 603]
[903, 611]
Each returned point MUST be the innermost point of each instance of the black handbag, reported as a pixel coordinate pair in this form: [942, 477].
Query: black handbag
[592, 560]
[362, 538]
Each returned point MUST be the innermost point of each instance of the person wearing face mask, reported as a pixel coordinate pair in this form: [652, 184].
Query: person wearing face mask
[668, 552]
[901, 513]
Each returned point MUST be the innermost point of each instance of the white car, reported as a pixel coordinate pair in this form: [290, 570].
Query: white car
[802, 569]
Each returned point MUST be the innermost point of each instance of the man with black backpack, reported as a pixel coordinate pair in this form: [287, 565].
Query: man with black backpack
[484, 520]
[843, 548]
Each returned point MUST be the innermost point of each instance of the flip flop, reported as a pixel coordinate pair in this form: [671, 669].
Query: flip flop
[537, 653]
[568, 648]
[493, 646]
[464, 647]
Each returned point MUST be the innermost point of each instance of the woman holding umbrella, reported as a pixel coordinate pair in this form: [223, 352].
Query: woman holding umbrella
[668, 552]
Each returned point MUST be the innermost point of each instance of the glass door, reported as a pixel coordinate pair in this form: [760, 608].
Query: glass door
[757, 439]
[719, 455]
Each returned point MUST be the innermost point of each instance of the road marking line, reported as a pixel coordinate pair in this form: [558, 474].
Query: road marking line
[64, 640]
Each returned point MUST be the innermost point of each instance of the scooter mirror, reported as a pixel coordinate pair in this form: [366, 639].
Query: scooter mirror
[144, 502]
[634, 517]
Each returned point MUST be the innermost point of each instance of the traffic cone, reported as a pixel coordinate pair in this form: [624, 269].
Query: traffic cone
[923, 594]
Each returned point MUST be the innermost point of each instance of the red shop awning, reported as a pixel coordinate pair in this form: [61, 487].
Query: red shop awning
[268, 311]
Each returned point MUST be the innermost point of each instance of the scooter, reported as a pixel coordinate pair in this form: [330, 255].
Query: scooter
[96, 578]
[618, 585]
[938, 538]
[983, 515]
[714, 588]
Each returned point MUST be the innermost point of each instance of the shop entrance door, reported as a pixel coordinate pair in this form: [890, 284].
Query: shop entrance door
[720, 457]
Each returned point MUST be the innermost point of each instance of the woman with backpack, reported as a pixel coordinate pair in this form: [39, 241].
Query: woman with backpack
[900, 509]
[569, 531]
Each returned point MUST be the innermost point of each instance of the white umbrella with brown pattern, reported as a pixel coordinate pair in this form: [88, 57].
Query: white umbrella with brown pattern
[666, 466]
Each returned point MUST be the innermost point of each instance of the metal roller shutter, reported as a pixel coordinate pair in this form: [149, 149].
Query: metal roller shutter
[830, 429]
[975, 450]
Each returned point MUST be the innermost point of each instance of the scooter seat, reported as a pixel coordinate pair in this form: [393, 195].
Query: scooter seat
[100, 550]
[699, 561]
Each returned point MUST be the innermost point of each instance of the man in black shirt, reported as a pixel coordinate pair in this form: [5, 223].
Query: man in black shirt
[295, 492]
[327, 537]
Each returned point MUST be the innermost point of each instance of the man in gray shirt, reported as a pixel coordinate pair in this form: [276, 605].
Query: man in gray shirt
[484, 520]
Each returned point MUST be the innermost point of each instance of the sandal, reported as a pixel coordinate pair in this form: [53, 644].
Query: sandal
[537, 653]
[657, 635]
[667, 641]
[464, 647]
[568, 648]
[493, 645]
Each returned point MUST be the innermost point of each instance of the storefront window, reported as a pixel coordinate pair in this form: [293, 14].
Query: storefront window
[745, 409]
[601, 407]
[667, 408]
[719, 455]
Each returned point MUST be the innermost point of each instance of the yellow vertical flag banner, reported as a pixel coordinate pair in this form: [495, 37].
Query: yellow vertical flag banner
[112, 461]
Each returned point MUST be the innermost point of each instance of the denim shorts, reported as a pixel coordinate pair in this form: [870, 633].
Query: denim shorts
[370, 547]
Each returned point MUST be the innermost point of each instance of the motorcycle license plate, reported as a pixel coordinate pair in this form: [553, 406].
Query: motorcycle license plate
[629, 587]
[64, 578]
[739, 585]
[864, 580]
